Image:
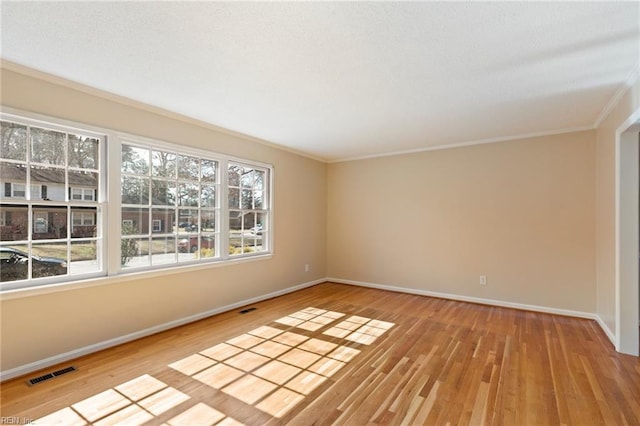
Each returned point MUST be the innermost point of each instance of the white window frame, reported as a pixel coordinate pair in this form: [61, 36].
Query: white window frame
[155, 228]
[37, 208]
[108, 214]
[222, 220]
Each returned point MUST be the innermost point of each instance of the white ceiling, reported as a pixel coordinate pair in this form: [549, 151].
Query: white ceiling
[339, 80]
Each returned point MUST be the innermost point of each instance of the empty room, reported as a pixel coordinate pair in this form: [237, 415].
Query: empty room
[319, 213]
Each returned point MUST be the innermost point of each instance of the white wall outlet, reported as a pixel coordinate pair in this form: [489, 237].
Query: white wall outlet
[483, 280]
[306, 267]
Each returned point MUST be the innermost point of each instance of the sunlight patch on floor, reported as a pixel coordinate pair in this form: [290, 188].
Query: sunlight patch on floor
[275, 369]
[268, 368]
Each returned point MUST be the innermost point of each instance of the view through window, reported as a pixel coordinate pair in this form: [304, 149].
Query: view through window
[46, 231]
[176, 205]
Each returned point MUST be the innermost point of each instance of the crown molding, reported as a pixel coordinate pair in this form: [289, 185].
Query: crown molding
[469, 143]
[631, 79]
[61, 81]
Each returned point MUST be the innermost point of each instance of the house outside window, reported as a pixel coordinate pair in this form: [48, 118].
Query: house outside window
[46, 160]
[176, 205]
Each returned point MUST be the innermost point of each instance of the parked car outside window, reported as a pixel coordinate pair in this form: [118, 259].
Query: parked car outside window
[14, 265]
[190, 245]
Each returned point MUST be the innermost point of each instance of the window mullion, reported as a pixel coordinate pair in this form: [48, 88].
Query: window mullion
[224, 210]
[114, 206]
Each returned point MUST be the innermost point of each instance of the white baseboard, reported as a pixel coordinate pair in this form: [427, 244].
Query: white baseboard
[47, 362]
[610, 334]
[491, 302]
[56, 359]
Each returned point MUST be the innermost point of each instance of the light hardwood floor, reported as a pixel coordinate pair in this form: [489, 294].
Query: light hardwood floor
[338, 354]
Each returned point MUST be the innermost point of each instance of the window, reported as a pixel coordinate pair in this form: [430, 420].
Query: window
[37, 165]
[40, 222]
[248, 215]
[170, 200]
[176, 205]
[83, 218]
[82, 194]
[18, 190]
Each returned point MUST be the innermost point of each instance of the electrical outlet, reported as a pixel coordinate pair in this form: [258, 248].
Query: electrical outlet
[483, 280]
[306, 267]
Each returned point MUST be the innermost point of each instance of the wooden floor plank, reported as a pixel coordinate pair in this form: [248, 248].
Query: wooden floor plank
[346, 355]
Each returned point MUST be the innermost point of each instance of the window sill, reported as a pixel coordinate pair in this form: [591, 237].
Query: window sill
[20, 293]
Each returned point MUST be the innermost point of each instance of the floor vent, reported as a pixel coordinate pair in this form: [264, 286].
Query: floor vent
[244, 311]
[48, 376]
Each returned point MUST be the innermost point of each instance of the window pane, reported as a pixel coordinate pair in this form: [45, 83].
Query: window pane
[51, 178]
[164, 164]
[208, 220]
[14, 180]
[14, 263]
[187, 244]
[258, 197]
[188, 168]
[235, 220]
[49, 223]
[86, 183]
[163, 193]
[207, 246]
[235, 234]
[135, 160]
[13, 145]
[48, 146]
[208, 171]
[198, 246]
[188, 194]
[208, 196]
[48, 259]
[234, 198]
[134, 252]
[135, 190]
[247, 199]
[188, 220]
[262, 221]
[16, 223]
[83, 223]
[164, 250]
[259, 179]
[135, 221]
[84, 257]
[247, 177]
[251, 245]
[234, 175]
[163, 220]
[83, 152]
[249, 221]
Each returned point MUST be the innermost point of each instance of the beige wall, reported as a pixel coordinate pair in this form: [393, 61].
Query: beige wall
[605, 206]
[38, 327]
[521, 212]
[536, 216]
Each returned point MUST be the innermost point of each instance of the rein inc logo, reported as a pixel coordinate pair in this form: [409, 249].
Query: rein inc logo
[16, 420]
